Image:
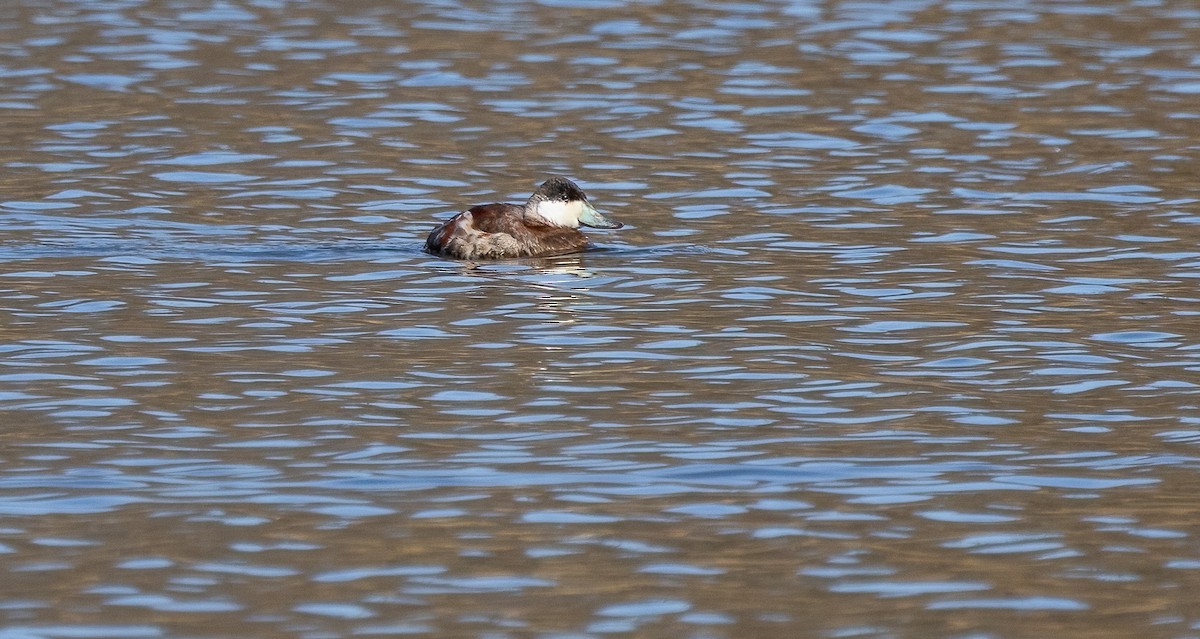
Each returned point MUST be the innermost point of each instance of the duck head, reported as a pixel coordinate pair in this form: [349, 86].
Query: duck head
[560, 202]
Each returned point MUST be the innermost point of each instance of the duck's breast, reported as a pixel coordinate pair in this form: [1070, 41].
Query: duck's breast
[554, 240]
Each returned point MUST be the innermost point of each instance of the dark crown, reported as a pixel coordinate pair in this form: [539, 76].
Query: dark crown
[560, 189]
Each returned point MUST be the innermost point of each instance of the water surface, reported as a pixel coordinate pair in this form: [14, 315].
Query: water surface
[899, 339]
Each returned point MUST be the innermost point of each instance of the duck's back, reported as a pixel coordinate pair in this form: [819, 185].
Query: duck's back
[493, 231]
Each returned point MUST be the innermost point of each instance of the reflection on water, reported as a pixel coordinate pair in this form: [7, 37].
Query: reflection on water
[900, 339]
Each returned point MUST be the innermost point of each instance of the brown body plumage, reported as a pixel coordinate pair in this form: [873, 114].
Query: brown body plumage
[492, 231]
[548, 224]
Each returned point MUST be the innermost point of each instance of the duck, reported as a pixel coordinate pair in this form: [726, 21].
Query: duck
[546, 224]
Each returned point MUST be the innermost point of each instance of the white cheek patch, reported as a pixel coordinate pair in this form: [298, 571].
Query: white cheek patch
[561, 213]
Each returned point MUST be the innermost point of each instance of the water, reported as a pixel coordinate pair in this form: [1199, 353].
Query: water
[899, 339]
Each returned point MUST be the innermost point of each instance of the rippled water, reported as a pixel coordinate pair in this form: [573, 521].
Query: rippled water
[900, 339]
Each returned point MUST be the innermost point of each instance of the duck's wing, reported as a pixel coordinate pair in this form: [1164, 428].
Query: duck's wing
[473, 222]
[479, 232]
[496, 217]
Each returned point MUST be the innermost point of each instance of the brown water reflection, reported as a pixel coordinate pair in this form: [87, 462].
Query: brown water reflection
[899, 340]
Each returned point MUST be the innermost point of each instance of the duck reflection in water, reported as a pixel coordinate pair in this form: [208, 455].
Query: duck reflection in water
[547, 224]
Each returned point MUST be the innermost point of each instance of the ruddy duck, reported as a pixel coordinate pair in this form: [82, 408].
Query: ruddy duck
[548, 224]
